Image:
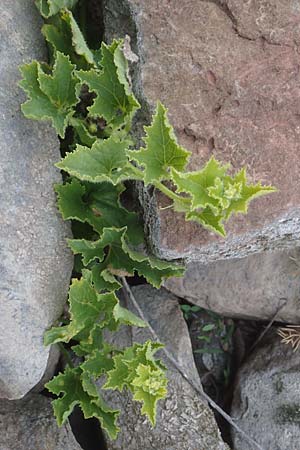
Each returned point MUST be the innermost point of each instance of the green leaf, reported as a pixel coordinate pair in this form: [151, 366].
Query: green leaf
[106, 160]
[82, 133]
[121, 259]
[99, 362]
[84, 312]
[215, 195]
[90, 340]
[162, 151]
[64, 35]
[127, 317]
[99, 205]
[208, 219]
[102, 279]
[48, 8]
[87, 307]
[208, 327]
[50, 97]
[114, 100]
[78, 389]
[89, 313]
[78, 40]
[117, 377]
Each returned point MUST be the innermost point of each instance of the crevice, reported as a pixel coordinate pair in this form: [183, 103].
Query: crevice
[121, 19]
[87, 431]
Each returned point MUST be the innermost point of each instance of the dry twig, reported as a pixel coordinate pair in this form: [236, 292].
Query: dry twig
[266, 329]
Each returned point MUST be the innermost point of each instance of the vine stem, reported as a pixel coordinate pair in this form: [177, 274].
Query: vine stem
[128, 293]
[161, 187]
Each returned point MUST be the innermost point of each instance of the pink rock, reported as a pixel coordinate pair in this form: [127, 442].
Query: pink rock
[229, 73]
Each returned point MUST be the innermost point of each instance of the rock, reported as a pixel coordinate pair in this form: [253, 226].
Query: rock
[253, 287]
[266, 401]
[35, 263]
[29, 424]
[184, 420]
[51, 368]
[228, 72]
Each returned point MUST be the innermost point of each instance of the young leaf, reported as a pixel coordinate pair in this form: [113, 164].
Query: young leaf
[49, 8]
[218, 194]
[162, 151]
[50, 97]
[197, 184]
[139, 371]
[114, 101]
[106, 160]
[150, 385]
[77, 389]
[239, 203]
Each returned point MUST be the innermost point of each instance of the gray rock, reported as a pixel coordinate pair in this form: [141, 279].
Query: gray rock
[227, 71]
[253, 287]
[184, 421]
[29, 424]
[266, 401]
[35, 265]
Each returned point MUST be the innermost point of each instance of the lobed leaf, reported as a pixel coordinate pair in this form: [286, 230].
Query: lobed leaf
[98, 204]
[50, 97]
[114, 100]
[78, 389]
[197, 184]
[120, 259]
[138, 370]
[90, 312]
[106, 160]
[240, 202]
[85, 309]
[214, 195]
[162, 151]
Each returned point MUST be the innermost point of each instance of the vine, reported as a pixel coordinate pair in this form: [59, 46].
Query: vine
[100, 159]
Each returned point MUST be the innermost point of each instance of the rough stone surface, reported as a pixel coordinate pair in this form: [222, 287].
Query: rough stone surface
[35, 265]
[253, 287]
[29, 424]
[267, 399]
[229, 73]
[184, 421]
